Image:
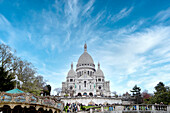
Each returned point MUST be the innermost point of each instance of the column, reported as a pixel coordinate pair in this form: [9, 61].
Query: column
[102, 109]
[91, 110]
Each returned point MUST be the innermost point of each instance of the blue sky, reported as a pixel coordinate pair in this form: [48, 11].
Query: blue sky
[130, 38]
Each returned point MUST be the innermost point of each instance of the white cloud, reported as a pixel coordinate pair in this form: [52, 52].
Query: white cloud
[123, 13]
[163, 15]
[128, 56]
[88, 7]
[128, 59]
[4, 21]
[72, 12]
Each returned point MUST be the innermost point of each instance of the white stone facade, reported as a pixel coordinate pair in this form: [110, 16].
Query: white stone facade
[85, 80]
[96, 100]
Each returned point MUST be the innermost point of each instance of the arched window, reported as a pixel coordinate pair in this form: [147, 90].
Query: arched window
[71, 87]
[84, 83]
[88, 73]
[100, 87]
[79, 94]
[91, 94]
[85, 94]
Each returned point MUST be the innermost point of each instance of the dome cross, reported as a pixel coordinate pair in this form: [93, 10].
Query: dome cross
[85, 47]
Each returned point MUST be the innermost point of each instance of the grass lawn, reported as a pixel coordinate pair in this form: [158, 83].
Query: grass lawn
[89, 107]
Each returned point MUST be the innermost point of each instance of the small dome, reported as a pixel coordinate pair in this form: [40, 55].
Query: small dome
[71, 72]
[85, 58]
[99, 72]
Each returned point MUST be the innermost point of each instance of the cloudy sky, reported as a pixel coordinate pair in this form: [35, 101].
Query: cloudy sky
[130, 38]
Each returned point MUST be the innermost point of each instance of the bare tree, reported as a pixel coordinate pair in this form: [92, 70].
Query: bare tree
[58, 91]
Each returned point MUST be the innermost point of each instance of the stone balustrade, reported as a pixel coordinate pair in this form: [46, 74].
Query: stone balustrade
[141, 108]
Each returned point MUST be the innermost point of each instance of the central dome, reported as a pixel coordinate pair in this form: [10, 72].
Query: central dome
[85, 58]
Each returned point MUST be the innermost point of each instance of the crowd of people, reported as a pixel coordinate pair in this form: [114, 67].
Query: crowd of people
[73, 107]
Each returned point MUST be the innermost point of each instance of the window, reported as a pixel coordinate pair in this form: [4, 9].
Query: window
[71, 87]
[100, 87]
[79, 87]
[90, 86]
[71, 80]
[99, 79]
[88, 73]
[84, 83]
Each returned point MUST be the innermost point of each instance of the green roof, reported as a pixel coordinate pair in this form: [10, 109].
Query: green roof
[13, 91]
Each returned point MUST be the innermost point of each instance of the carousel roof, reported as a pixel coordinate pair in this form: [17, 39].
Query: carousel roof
[14, 91]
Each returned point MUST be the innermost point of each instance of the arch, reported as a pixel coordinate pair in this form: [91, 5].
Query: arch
[71, 87]
[18, 109]
[79, 94]
[40, 110]
[50, 111]
[6, 109]
[32, 109]
[91, 94]
[84, 94]
[84, 83]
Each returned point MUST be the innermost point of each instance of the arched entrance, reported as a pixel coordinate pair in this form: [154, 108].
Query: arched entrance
[79, 94]
[90, 94]
[50, 111]
[40, 110]
[6, 109]
[84, 94]
[18, 109]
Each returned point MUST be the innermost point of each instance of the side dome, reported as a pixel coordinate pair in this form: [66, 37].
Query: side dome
[71, 73]
[85, 58]
[99, 72]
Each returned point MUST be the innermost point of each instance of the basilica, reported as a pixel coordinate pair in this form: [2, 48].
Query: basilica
[86, 80]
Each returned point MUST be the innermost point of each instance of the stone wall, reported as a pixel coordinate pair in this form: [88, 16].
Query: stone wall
[96, 100]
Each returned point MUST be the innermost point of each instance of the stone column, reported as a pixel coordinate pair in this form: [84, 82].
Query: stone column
[91, 110]
[153, 109]
[168, 108]
[137, 107]
[102, 109]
